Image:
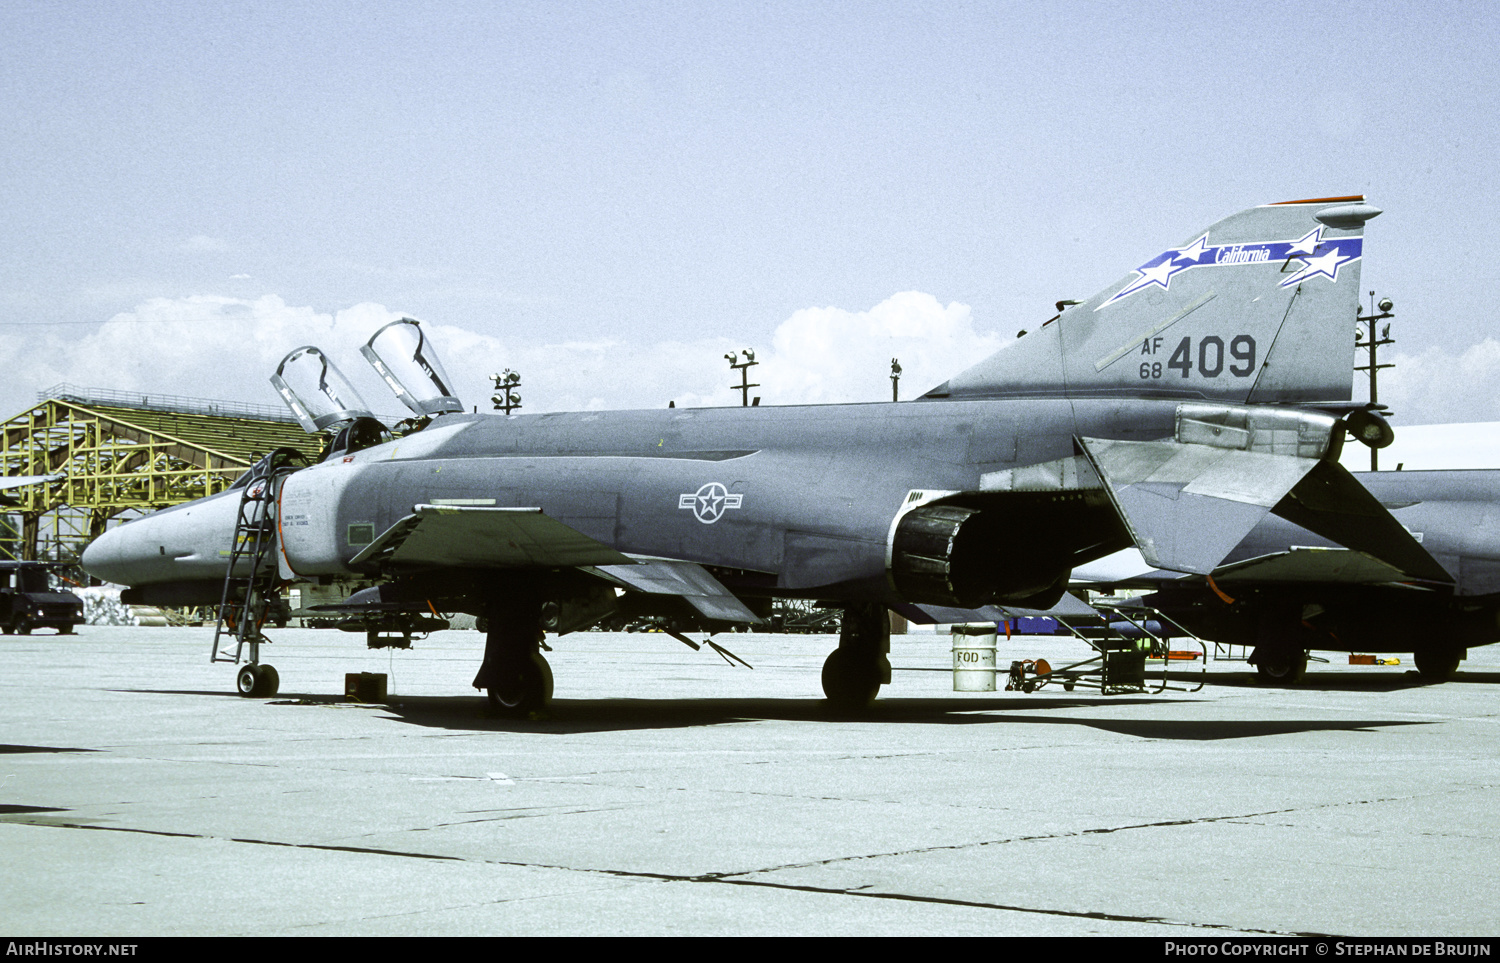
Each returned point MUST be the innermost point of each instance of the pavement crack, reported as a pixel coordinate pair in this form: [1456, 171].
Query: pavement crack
[721, 879]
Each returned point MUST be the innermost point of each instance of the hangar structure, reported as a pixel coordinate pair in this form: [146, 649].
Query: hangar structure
[109, 454]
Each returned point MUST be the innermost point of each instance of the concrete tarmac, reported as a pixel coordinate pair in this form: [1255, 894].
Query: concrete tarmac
[669, 792]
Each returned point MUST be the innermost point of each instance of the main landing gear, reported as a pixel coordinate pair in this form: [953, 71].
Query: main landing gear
[1438, 663]
[854, 672]
[1279, 664]
[514, 674]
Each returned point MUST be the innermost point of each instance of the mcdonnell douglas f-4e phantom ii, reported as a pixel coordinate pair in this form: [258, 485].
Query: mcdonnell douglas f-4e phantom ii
[1172, 411]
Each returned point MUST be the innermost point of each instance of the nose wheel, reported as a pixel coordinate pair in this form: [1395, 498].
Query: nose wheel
[257, 681]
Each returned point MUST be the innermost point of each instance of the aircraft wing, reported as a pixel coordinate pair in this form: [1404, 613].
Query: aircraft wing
[1321, 565]
[472, 537]
[687, 580]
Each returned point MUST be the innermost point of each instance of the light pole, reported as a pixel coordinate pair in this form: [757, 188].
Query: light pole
[895, 380]
[508, 400]
[1372, 344]
[743, 367]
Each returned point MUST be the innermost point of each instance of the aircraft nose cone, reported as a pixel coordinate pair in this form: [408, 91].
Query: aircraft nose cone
[105, 558]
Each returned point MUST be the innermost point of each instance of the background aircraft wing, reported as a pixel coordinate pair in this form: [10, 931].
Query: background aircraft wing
[687, 580]
[1332, 503]
[1321, 565]
[8, 482]
[450, 536]
[1067, 607]
[1189, 500]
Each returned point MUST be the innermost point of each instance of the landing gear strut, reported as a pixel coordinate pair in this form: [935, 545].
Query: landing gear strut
[854, 672]
[515, 676]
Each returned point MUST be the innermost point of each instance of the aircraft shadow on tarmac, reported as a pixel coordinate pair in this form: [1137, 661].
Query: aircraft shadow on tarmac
[1387, 680]
[471, 713]
[567, 717]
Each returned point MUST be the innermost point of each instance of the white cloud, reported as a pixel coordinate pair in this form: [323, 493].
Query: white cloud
[817, 356]
[226, 348]
[822, 355]
[1442, 385]
[201, 346]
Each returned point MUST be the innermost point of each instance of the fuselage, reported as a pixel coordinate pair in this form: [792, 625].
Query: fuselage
[807, 494]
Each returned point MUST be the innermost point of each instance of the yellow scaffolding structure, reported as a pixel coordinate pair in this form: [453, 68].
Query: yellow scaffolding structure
[115, 458]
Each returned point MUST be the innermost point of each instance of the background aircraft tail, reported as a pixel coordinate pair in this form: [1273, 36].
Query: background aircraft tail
[1257, 308]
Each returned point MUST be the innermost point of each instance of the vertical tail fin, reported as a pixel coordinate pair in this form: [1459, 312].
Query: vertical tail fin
[1258, 308]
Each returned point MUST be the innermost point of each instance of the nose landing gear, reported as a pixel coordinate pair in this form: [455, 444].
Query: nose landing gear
[257, 680]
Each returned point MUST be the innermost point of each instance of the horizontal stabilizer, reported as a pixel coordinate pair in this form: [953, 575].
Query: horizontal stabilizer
[451, 536]
[688, 580]
[944, 615]
[1187, 506]
[1067, 607]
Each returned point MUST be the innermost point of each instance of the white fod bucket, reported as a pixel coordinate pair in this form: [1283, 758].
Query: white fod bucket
[974, 657]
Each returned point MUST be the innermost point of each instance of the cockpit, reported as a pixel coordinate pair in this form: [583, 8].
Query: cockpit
[324, 401]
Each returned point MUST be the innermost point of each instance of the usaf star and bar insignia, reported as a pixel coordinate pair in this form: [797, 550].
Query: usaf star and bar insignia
[709, 503]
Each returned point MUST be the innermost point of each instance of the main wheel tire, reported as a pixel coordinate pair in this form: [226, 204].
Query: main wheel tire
[1437, 665]
[524, 687]
[268, 682]
[847, 683]
[1281, 666]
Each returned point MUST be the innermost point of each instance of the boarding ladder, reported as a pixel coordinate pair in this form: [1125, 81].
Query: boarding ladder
[1133, 639]
[251, 576]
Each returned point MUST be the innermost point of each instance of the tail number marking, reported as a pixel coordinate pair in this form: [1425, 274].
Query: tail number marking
[1209, 356]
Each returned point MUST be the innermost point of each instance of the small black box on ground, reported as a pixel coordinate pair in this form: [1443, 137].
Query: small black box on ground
[364, 686]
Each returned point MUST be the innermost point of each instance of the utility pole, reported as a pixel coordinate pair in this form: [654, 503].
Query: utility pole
[895, 380]
[1371, 344]
[743, 367]
[507, 383]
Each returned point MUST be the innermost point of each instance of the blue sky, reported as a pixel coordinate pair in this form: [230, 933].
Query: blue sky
[609, 195]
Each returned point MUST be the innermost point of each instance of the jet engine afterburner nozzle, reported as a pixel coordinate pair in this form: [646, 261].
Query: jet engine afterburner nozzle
[952, 555]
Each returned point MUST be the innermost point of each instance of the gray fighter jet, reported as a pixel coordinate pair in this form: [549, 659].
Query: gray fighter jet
[1173, 411]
